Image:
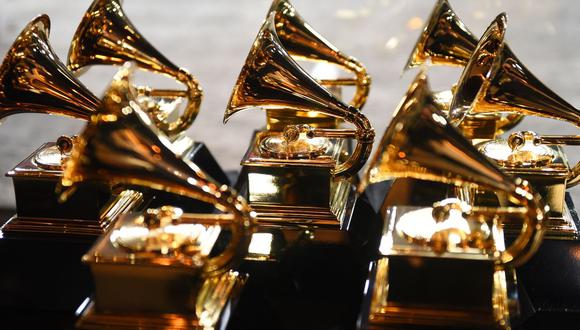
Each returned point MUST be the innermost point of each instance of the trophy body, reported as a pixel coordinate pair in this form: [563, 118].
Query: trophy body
[106, 36]
[444, 262]
[415, 285]
[152, 288]
[298, 192]
[546, 168]
[300, 169]
[156, 269]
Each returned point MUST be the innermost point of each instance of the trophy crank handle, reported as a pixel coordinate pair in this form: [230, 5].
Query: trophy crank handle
[194, 96]
[168, 93]
[364, 135]
[571, 140]
[338, 82]
[207, 218]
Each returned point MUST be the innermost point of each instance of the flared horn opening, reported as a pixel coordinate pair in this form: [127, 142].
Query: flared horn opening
[475, 77]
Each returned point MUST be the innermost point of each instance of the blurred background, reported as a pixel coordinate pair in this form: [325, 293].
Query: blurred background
[212, 38]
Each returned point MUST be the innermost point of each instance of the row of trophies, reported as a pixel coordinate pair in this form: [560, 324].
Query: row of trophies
[168, 233]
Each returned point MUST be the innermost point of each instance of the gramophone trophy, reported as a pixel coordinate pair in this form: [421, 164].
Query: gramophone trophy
[106, 36]
[33, 80]
[156, 268]
[446, 40]
[495, 81]
[297, 171]
[446, 264]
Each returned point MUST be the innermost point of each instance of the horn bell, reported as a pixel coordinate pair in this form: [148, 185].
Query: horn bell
[495, 81]
[302, 42]
[270, 79]
[106, 36]
[33, 79]
[420, 143]
[445, 40]
[120, 145]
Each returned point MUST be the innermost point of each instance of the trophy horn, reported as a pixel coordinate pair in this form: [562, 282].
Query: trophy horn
[271, 79]
[420, 143]
[106, 36]
[302, 42]
[495, 81]
[122, 146]
[33, 79]
[445, 40]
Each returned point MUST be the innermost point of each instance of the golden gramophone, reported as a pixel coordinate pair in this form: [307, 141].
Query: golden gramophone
[495, 81]
[155, 268]
[106, 36]
[446, 264]
[33, 80]
[301, 175]
[445, 40]
[303, 43]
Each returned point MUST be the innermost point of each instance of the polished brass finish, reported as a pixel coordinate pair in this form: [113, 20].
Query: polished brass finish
[106, 36]
[53, 158]
[215, 294]
[446, 278]
[460, 248]
[120, 145]
[33, 79]
[152, 268]
[298, 191]
[420, 143]
[271, 79]
[545, 166]
[300, 169]
[125, 202]
[303, 43]
[495, 81]
[446, 40]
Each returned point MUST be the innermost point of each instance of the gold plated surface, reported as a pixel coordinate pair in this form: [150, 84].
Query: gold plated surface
[106, 36]
[33, 79]
[420, 143]
[495, 81]
[121, 145]
[302, 42]
[297, 191]
[122, 203]
[271, 79]
[446, 40]
[524, 155]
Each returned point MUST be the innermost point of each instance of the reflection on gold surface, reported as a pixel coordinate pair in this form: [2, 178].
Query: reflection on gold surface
[106, 36]
[420, 143]
[261, 244]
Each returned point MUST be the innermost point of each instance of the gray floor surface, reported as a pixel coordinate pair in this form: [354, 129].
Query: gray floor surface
[212, 38]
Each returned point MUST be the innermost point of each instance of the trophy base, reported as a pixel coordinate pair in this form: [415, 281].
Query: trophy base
[336, 216]
[22, 227]
[549, 287]
[307, 278]
[563, 227]
[213, 310]
[297, 192]
[35, 189]
[437, 307]
[41, 274]
[53, 247]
